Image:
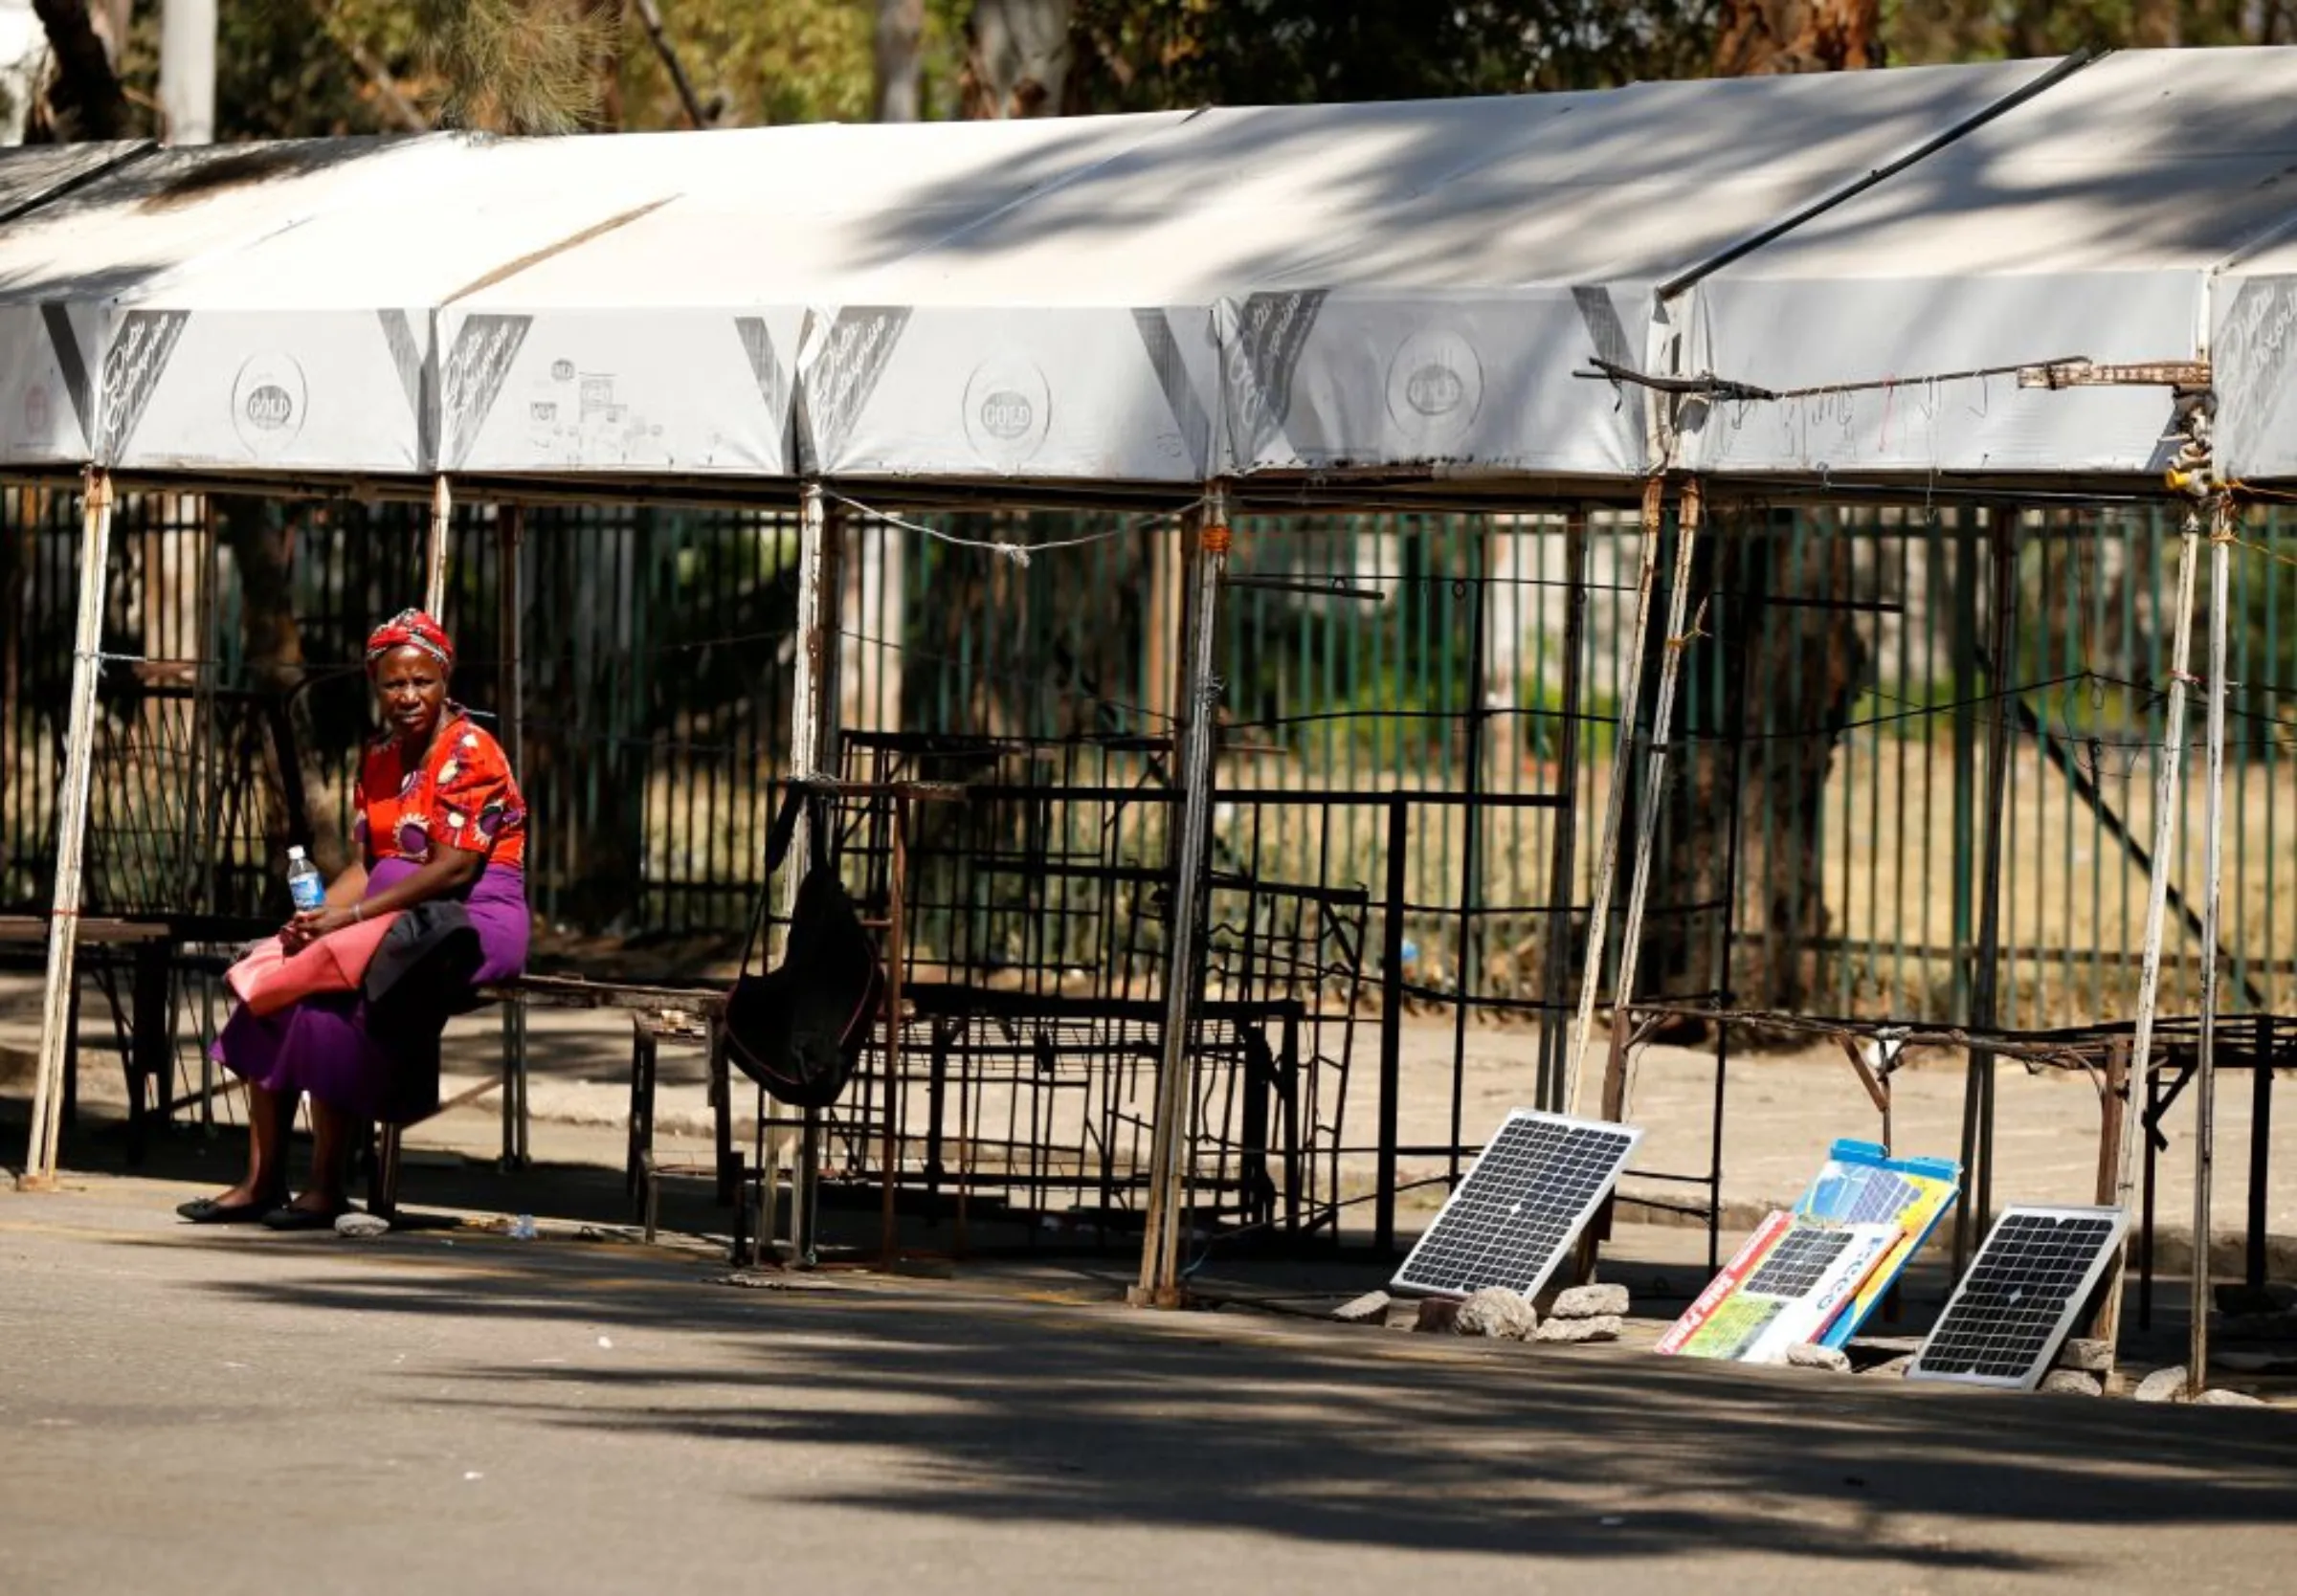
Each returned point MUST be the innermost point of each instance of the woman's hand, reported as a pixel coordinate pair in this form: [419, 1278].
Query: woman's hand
[309, 926]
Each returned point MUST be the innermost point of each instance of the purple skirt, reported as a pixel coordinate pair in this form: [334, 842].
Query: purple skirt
[321, 1045]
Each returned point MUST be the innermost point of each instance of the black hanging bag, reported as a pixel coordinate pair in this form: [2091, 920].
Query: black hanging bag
[798, 1030]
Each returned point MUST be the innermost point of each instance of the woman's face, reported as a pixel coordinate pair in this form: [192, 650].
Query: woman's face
[411, 686]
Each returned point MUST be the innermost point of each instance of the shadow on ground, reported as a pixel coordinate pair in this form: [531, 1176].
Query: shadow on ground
[1024, 1408]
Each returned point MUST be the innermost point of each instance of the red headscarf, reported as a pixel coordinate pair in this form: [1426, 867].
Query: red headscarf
[411, 629]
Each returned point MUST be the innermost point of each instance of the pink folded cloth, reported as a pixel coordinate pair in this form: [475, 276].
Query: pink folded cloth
[270, 978]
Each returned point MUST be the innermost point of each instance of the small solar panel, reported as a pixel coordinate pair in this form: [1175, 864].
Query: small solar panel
[1801, 1257]
[1534, 1186]
[1877, 1196]
[2005, 1321]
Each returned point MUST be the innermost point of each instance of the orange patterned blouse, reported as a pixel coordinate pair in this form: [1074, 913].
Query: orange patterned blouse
[463, 796]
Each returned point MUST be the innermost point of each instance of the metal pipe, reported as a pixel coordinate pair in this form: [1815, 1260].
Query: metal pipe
[1654, 780]
[1392, 1026]
[813, 731]
[1622, 772]
[510, 529]
[897, 950]
[1470, 845]
[2206, 1081]
[2148, 980]
[1985, 985]
[1160, 1245]
[435, 548]
[57, 1007]
[1551, 1094]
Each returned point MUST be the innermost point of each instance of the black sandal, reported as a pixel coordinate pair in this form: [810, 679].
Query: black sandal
[207, 1211]
[292, 1218]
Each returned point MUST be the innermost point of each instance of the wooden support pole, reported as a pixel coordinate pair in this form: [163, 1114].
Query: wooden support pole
[1615, 811]
[1680, 629]
[57, 1006]
[1970, 1218]
[1168, 1137]
[510, 529]
[434, 549]
[2205, 1078]
[2166, 793]
[1552, 1093]
[2114, 1120]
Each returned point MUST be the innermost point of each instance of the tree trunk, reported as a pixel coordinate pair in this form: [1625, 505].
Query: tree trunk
[262, 544]
[83, 99]
[1760, 38]
[1796, 670]
[900, 44]
[1016, 58]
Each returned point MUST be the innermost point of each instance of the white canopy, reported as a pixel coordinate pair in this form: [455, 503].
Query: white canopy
[1409, 289]
[2085, 222]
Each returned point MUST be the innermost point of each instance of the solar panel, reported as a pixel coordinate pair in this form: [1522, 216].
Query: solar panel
[1785, 1286]
[1534, 1186]
[2005, 1321]
[1860, 1184]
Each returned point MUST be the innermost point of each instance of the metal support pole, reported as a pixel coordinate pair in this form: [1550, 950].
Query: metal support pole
[57, 1006]
[813, 755]
[510, 529]
[1655, 779]
[1168, 1145]
[1552, 1091]
[897, 952]
[1985, 986]
[2261, 1150]
[1471, 873]
[2166, 791]
[1622, 774]
[2205, 1079]
[1392, 1026]
[435, 548]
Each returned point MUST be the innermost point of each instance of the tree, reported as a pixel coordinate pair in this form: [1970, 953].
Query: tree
[84, 97]
[1017, 57]
[1759, 38]
[901, 38]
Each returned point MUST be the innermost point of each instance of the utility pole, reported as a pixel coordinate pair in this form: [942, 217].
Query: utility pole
[188, 70]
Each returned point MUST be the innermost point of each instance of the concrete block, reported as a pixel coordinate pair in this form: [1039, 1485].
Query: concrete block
[2090, 1357]
[2072, 1383]
[1435, 1315]
[1371, 1308]
[1807, 1356]
[2226, 1399]
[1496, 1313]
[1892, 1368]
[361, 1227]
[1606, 1328]
[1604, 1301]
[2162, 1386]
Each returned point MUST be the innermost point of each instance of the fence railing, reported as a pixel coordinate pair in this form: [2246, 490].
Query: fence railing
[1833, 723]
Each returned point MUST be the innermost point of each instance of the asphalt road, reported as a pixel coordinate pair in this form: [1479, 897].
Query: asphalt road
[187, 1411]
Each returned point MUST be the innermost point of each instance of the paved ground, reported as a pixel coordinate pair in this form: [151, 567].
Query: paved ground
[183, 1409]
[1782, 1112]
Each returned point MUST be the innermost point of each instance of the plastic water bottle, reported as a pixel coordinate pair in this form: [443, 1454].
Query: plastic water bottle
[522, 1228]
[303, 883]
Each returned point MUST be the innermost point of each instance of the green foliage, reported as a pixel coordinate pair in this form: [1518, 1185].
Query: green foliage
[795, 61]
[1925, 32]
[1143, 54]
[295, 68]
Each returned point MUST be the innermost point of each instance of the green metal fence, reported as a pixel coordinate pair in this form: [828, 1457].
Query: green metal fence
[1835, 705]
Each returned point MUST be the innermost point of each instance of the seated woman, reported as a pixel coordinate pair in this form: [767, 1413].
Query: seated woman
[439, 816]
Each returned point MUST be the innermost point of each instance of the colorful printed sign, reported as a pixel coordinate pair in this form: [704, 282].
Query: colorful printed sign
[1791, 1280]
[1861, 1183]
